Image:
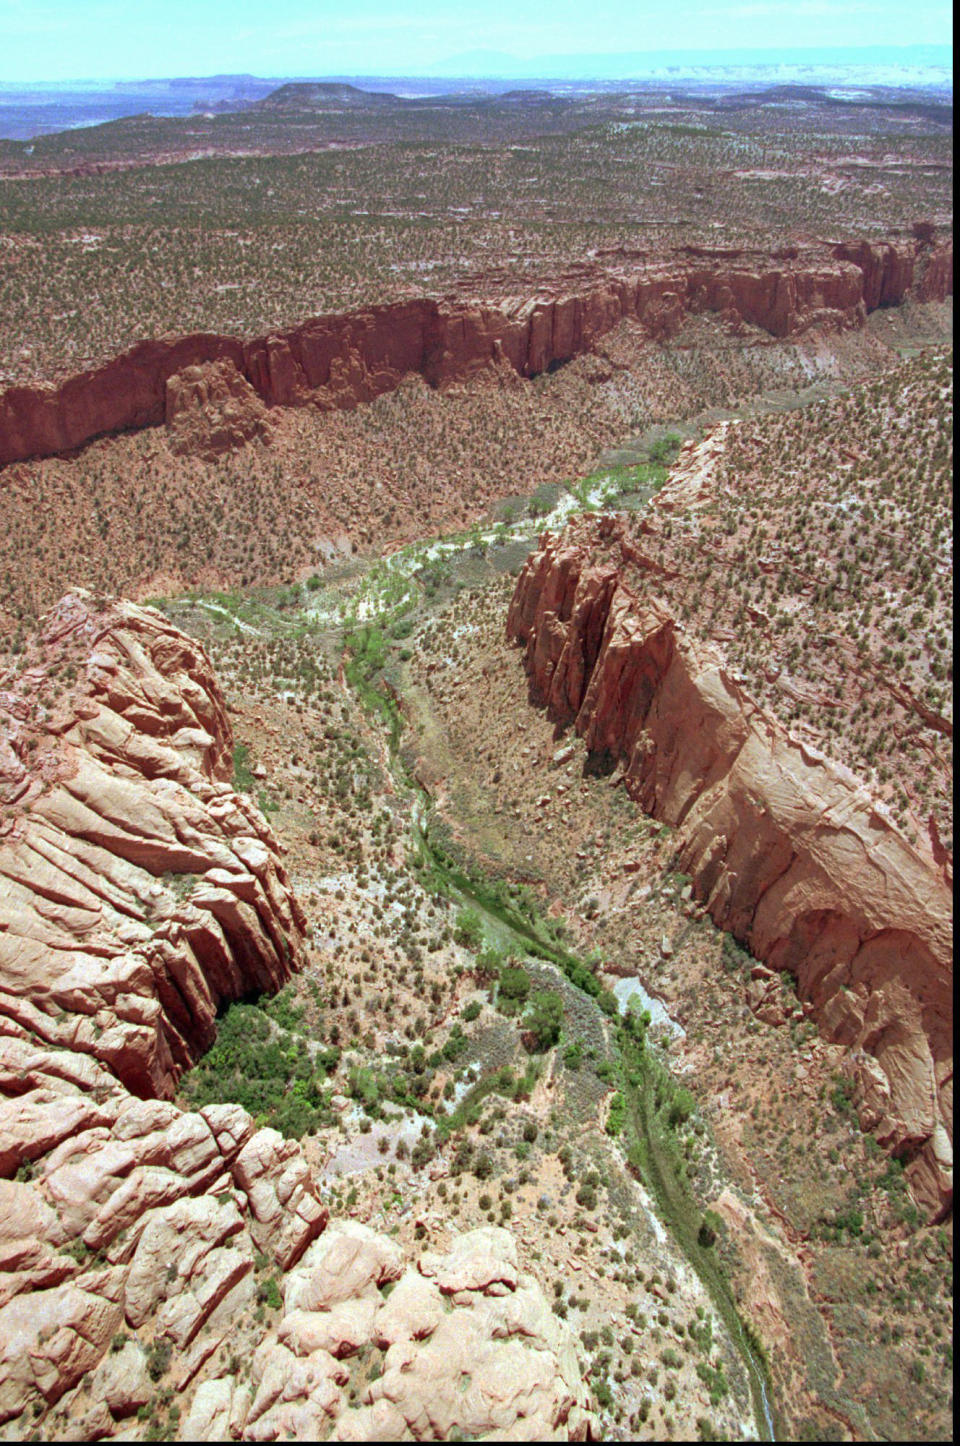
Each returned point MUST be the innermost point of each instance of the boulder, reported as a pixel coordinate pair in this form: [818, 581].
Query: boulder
[122, 1380]
[481, 1259]
[412, 1312]
[218, 1411]
[49, 1339]
[342, 1330]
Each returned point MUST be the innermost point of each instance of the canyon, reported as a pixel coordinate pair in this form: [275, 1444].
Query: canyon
[476, 827]
[340, 362]
[786, 849]
[141, 893]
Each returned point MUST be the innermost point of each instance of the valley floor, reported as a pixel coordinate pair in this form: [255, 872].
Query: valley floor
[826, 1257]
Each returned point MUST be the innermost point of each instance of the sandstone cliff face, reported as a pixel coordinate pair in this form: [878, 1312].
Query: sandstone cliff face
[344, 361]
[137, 892]
[785, 849]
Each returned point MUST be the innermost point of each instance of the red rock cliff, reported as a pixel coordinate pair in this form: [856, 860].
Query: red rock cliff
[343, 361]
[786, 850]
[137, 889]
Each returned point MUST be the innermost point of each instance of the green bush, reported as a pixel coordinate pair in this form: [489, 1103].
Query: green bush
[514, 983]
[264, 1068]
[733, 956]
[243, 779]
[158, 1359]
[607, 1001]
[268, 1293]
[841, 1096]
[715, 1381]
[710, 1227]
[544, 1019]
[456, 1044]
[663, 451]
[616, 1116]
[573, 1055]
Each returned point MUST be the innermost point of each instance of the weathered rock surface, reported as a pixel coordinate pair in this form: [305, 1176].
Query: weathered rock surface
[134, 1235]
[343, 361]
[786, 849]
[138, 889]
[211, 409]
[499, 1366]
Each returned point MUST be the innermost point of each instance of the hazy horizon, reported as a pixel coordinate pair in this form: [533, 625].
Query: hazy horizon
[57, 42]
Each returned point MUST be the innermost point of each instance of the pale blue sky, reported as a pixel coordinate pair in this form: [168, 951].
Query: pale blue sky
[71, 39]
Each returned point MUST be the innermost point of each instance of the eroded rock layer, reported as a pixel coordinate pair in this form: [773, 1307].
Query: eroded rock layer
[342, 361]
[785, 849]
[139, 1242]
[139, 891]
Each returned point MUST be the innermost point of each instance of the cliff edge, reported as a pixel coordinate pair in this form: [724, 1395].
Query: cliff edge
[785, 848]
[334, 362]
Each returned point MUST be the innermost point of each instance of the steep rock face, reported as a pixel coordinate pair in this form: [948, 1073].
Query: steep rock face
[786, 849]
[344, 361]
[138, 889]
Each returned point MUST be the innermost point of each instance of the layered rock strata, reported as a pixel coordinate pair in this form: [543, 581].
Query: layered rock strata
[786, 849]
[342, 361]
[138, 892]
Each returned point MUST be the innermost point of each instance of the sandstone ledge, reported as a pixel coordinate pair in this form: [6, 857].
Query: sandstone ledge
[137, 892]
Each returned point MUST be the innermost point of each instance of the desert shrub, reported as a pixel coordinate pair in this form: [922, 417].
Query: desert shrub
[243, 779]
[544, 1019]
[514, 985]
[664, 450]
[158, 1359]
[617, 1115]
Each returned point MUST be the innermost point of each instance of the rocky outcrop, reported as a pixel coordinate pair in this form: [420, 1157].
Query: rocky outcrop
[785, 849]
[134, 1251]
[212, 409]
[139, 890]
[343, 361]
[139, 1241]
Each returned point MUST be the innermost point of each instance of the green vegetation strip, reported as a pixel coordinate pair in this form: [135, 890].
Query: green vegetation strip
[262, 1060]
[651, 1105]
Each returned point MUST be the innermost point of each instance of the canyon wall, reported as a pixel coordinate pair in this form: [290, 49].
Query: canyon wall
[138, 891]
[785, 849]
[139, 1241]
[342, 361]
